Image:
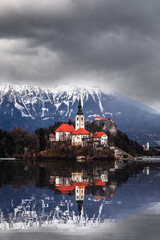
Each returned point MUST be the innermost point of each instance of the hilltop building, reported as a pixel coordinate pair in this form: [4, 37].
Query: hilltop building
[97, 118]
[107, 124]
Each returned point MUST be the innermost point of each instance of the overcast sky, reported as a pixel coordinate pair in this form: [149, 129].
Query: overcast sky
[113, 43]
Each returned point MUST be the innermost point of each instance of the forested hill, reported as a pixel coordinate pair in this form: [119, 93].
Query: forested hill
[17, 142]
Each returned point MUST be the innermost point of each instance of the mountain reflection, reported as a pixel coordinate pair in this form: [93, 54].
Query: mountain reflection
[56, 193]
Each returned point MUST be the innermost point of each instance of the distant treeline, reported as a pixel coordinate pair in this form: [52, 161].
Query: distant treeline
[17, 142]
[120, 140]
[123, 142]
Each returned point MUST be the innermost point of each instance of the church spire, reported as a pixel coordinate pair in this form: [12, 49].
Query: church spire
[79, 118]
[80, 204]
[79, 107]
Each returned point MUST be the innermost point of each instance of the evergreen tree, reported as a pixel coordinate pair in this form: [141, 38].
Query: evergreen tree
[41, 137]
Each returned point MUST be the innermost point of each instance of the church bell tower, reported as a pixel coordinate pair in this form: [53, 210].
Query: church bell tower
[79, 118]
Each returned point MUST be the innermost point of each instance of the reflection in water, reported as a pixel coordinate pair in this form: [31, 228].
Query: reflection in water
[63, 193]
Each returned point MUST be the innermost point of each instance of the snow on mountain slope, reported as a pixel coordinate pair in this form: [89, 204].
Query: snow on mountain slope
[33, 102]
[32, 107]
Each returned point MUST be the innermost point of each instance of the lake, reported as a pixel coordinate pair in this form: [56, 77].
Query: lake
[71, 200]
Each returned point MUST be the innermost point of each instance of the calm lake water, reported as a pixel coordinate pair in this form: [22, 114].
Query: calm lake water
[45, 199]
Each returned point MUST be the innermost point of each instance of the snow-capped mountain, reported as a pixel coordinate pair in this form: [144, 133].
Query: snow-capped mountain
[32, 107]
[58, 103]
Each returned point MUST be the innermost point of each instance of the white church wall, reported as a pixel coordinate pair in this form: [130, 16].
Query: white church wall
[63, 136]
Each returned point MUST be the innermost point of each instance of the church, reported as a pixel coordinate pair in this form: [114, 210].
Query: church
[80, 133]
[79, 136]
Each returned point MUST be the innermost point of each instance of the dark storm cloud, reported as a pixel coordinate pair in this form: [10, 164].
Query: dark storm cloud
[114, 41]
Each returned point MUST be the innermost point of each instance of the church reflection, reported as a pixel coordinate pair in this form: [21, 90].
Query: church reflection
[49, 192]
[99, 182]
[99, 179]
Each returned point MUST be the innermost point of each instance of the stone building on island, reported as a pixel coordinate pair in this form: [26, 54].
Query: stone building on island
[79, 136]
[80, 133]
[63, 133]
[51, 137]
[100, 138]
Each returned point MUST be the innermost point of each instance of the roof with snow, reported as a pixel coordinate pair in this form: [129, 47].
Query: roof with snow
[65, 128]
[98, 134]
[80, 131]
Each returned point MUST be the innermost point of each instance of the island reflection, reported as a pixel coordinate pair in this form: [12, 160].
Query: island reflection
[54, 193]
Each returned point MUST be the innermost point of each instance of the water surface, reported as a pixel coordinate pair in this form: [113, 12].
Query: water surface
[51, 196]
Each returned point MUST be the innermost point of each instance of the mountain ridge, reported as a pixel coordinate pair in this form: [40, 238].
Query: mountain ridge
[33, 107]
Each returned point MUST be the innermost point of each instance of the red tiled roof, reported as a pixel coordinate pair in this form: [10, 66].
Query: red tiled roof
[80, 184]
[99, 197]
[80, 131]
[99, 182]
[65, 189]
[51, 135]
[105, 118]
[98, 134]
[65, 128]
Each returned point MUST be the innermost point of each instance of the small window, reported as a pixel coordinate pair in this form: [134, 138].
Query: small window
[77, 118]
[82, 118]
[77, 197]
